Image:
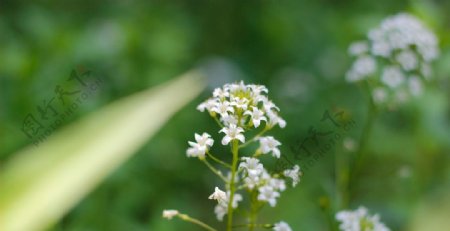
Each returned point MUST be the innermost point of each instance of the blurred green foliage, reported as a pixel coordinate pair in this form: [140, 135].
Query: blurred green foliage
[296, 48]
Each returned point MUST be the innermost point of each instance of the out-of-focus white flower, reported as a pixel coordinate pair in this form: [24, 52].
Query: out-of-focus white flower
[268, 194]
[208, 105]
[258, 89]
[199, 148]
[392, 76]
[379, 95]
[252, 166]
[350, 144]
[270, 144]
[358, 48]
[282, 226]
[277, 184]
[218, 195]
[232, 132]
[426, 71]
[170, 213]
[359, 220]
[408, 60]
[293, 174]
[221, 209]
[363, 67]
[399, 48]
[252, 181]
[256, 115]
[274, 119]
[220, 93]
[415, 85]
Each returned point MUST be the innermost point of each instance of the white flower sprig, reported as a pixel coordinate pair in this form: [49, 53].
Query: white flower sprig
[238, 109]
[359, 220]
[396, 57]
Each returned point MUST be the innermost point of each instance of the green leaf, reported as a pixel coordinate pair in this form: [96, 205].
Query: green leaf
[40, 184]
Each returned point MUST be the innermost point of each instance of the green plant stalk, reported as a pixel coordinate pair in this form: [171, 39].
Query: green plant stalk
[362, 144]
[214, 170]
[187, 218]
[253, 211]
[342, 178]
[266, 226]
[235, 152]
[367, 130]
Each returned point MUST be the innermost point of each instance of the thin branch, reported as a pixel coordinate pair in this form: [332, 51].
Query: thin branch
[187, 218]
[214, 170]
[217, 160]
[254, 138]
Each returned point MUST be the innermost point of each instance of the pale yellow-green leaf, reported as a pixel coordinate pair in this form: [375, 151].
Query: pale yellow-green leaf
[42, 183]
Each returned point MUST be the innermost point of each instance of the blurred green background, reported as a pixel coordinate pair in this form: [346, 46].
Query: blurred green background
[298, 49]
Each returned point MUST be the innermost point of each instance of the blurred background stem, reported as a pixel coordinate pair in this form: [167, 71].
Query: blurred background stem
[362, 145]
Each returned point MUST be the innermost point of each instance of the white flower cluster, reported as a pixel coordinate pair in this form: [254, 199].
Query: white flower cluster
[359, 220]
[239, 108]
[397, 56]
[223, 198]
[282, 226]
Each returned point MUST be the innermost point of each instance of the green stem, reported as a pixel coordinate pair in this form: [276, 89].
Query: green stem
[187, 218]
[253, 210]
[254, 138]
[342, 179]
[362, 145]
[267, 226]
[235, 151]
[217, 121]
[214, 170]
[217, 160]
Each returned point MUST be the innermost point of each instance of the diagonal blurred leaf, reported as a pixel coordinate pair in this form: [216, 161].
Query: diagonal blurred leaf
[42, 183]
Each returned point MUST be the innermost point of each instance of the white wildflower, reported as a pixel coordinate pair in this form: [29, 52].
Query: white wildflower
[218, 195]
[398, 49]
[221, 209]
[199, 148]
[169, 214]
[270, 144]
[240, 102]
[277, 184]
[208, 105]
[274, 119]
[359, 220]
[392, 76]
[358, 48]
[293, 174]
[232, 132]
[252, 181]
[364, 66]
[268, 194]
[258, 89]
[252, 166]
[256, 115]
[379, 95]
[282, 226]
[220, 93]
[415, 85]
[408, 60]
[223, 108]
